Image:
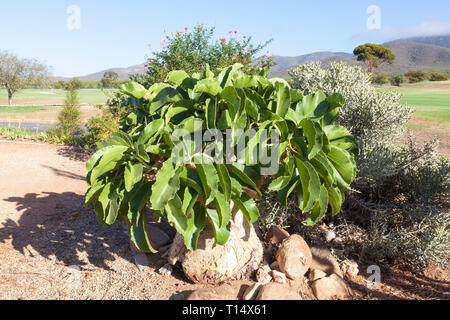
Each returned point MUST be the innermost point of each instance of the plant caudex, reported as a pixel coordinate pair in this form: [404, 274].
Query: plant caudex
[137, 167]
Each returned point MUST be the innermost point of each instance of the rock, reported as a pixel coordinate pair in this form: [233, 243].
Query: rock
[278, 277]
[331, 288]
[330, 235]
[252, 291]
[238, 259]
[275, 266]
[276, 291]
[165, 270]
[276, 235]
[294, 257]
[315, 274]
[263, 274]
[350, 268]
[302, 287]
[227, 291]
[141, 261]
[322, 259]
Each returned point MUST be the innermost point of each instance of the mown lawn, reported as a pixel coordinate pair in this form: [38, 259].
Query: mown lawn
[431, 99]
[46, 97]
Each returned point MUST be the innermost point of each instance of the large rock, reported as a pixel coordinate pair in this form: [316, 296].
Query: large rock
[276, 291]
[209, 264]
[294, 257]
[331, 288]
[323, 260]
[227, 291]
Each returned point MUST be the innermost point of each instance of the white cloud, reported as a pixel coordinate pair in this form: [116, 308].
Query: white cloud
[387, 33]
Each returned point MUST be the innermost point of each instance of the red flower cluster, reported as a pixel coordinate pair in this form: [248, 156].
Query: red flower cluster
[224, 41]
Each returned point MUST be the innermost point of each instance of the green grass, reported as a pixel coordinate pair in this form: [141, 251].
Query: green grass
[32, 97]
[25, 109]
[432, 99]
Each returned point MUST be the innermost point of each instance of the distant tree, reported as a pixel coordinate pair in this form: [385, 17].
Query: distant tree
[111, 75]
[69, 118]
[438, 76]
[17, 73]
[380, 78]
[373, 55]
[109, 79]
[415, 76]
[397, 80]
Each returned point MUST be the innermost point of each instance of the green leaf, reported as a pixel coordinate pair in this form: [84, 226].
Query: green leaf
[138, 199]
[313, 132]
[133, 174]
[223, 209]
[310, 183]
[166, 95]
[240, 172]
[133, 89]
[248, 207]
[210, 86]
[320, 208]
[108, 162]
[196, 224]
[283, 99]
[175, 214]
[166, 186]
[221, 234]
[211, 113]
[177, 77]
[93, 192]
[224, 180]
[150, 130]
[139, 234]
[210, 180]
[344, 163]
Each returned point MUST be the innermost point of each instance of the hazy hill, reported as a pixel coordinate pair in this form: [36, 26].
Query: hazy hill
[285, 63]
[442, 41]
[123, 73]
[414, 55]
[424, 53]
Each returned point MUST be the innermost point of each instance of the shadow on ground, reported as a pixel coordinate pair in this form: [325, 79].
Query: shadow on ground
[58, 225]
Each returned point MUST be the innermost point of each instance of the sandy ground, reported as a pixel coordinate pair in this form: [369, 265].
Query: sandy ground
[86, 113]
[52, 247]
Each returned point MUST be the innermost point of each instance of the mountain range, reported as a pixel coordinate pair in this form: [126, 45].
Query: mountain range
[423, 53]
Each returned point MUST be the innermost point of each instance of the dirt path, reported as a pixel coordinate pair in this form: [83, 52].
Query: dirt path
[51, 247]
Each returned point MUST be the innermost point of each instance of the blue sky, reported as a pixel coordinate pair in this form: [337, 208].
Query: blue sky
[116, 33]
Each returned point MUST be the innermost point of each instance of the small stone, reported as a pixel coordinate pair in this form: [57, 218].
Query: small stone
[276, 235]
[165, 270]
[275, 266]
[315, 274]
[263, 275]
[294, 257]
[177, 296]
[277, 291]
[350, 268]
[331, 288]
[252, 291]
[330, 235]
[141, 261]
[278, 277]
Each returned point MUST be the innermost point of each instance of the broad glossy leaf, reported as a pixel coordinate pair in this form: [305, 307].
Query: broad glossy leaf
[133, 174]
[107, 162]
[221, 234]
[133, 89]
[177, 77]
[166, 186]
[139, 234]
[196, 224]
[320, 208]
[248, 207]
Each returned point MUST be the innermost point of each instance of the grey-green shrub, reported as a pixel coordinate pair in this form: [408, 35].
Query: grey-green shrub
[369, 114]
